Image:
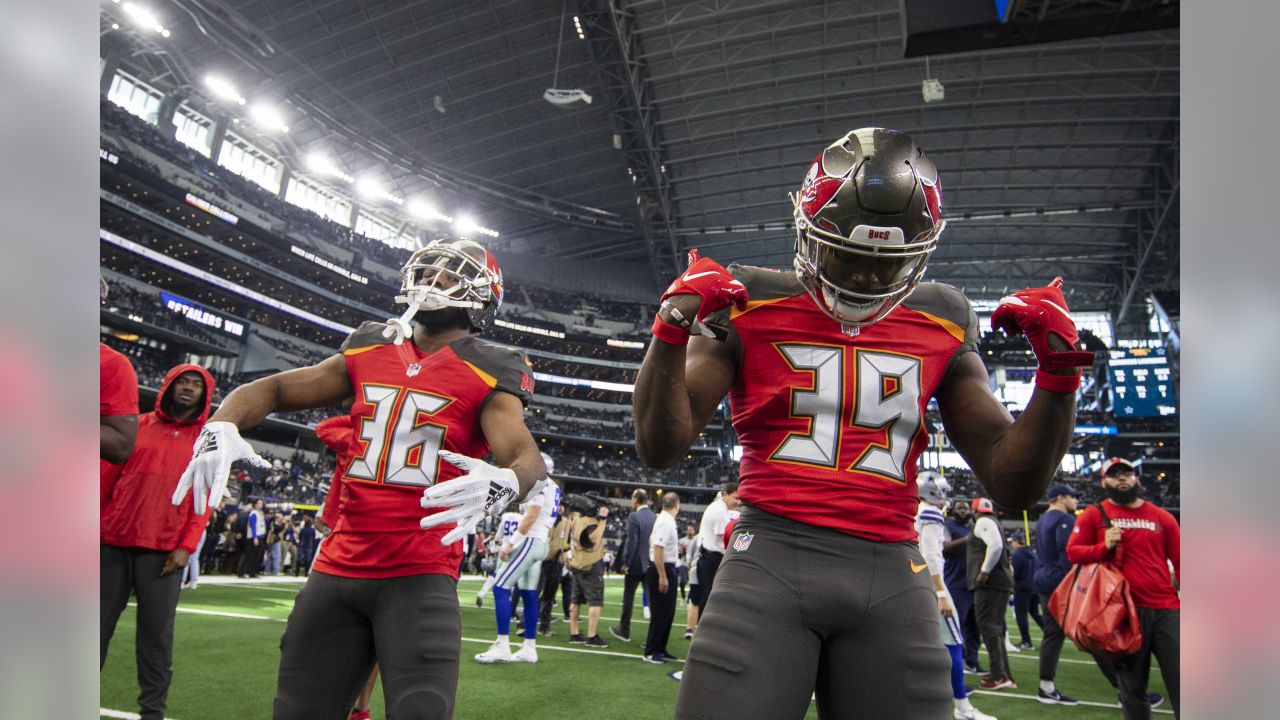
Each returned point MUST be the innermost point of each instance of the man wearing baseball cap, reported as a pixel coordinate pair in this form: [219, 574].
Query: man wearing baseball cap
[991, 580]
[1053, 530]
[1142, 541]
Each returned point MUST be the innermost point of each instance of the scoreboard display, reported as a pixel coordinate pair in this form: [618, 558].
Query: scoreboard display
[1141, 384]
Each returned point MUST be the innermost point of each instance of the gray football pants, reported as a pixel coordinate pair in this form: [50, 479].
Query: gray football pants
[412, 627]
[802, 609]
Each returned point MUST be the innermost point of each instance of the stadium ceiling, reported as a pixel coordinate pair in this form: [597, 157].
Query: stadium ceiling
[1058, 158]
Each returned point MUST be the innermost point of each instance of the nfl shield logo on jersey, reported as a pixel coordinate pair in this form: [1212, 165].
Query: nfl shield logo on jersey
[743, 541]
[412, 369]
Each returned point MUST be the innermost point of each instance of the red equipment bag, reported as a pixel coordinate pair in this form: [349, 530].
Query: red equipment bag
[1093, 607]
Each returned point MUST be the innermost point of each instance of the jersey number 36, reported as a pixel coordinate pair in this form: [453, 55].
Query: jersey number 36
[406, 450]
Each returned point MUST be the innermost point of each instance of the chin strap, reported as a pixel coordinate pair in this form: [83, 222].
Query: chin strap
[399, 328]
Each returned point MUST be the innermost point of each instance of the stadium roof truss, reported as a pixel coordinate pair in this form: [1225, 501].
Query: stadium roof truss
[1056, 158]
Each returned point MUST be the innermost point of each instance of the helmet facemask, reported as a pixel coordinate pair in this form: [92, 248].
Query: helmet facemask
[868, 217]
[858, 282]
[933, 488]
[449, 273]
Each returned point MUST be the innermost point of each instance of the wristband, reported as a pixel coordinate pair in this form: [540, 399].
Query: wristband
[516, 538]
[669, 333]
[1058, 383]
[941, 593]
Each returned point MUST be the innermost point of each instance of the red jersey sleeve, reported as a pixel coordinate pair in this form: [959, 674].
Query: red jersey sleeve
[1173, 543]
[329, 508]
[117, 384]
[1086, 546]
[194, 528]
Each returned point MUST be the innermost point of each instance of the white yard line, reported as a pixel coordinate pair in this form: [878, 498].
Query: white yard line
[108, 713]
[1001, 693]
[242, 616]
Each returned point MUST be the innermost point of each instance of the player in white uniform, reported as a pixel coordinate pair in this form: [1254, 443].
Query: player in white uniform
[506, 527]
[932, 528]
[520, 564]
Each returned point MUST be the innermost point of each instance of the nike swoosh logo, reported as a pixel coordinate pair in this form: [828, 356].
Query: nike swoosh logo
[917, 568]
[701, 274]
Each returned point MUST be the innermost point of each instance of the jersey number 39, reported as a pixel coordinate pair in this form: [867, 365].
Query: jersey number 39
[885, 397]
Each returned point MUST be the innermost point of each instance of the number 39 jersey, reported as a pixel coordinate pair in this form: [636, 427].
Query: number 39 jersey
[831, 424]
[407, 407]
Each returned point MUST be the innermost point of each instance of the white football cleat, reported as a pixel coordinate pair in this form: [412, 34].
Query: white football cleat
[495, 654]
[1008, 645]
[972, 713]
[526, 653]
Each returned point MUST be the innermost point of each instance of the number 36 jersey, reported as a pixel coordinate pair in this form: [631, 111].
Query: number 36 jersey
[409, 405]
[831, 424]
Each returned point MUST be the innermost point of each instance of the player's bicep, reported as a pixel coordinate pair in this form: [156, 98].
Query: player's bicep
[971, 414]
[709, 369]
[512, 445]
[325, 383]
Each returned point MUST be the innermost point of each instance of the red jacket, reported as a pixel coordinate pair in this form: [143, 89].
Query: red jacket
[1150, 541]
[337, 433]
[138, 512]
[118, 395]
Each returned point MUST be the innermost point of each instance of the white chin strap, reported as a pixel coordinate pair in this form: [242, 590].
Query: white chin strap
[399, 328]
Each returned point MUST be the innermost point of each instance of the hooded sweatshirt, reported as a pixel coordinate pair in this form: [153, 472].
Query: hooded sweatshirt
[138, 512]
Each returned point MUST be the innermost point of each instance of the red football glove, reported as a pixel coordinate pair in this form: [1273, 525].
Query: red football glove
[717, 288]
[1037, 313]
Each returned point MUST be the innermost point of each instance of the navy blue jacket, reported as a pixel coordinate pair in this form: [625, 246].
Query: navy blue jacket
[635, 548]
[1024, 566]
[954, 564]
[307, 539]
[1053, 530]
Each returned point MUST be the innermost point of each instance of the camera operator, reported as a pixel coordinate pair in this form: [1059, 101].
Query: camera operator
[586, 540]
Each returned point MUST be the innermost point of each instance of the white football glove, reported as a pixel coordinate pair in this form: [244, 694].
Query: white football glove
[483, 490]
[218, 445]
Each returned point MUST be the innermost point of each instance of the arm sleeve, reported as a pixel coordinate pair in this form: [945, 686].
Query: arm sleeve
[1173, 545]
[253, 527]
[118, 392]
[329, 506]
[631, 544]
[1062, 534]
[931, 547]
[1085, 546]
[195, 526]
[990, 534]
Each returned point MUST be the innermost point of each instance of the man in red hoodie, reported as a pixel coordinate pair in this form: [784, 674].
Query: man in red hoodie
[145, 540]
[1143, 541]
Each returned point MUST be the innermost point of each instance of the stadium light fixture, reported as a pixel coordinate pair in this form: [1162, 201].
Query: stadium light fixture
[268, 118]
[144, 18]
[424, 210]
[320, 163]
[221, 88]
[369, 188]
[577, 25]
[467, 226]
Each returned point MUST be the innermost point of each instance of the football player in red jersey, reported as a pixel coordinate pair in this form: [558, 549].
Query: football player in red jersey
[428, 400]
[829, 370]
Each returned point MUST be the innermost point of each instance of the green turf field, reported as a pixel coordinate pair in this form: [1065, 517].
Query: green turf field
[227, 640]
